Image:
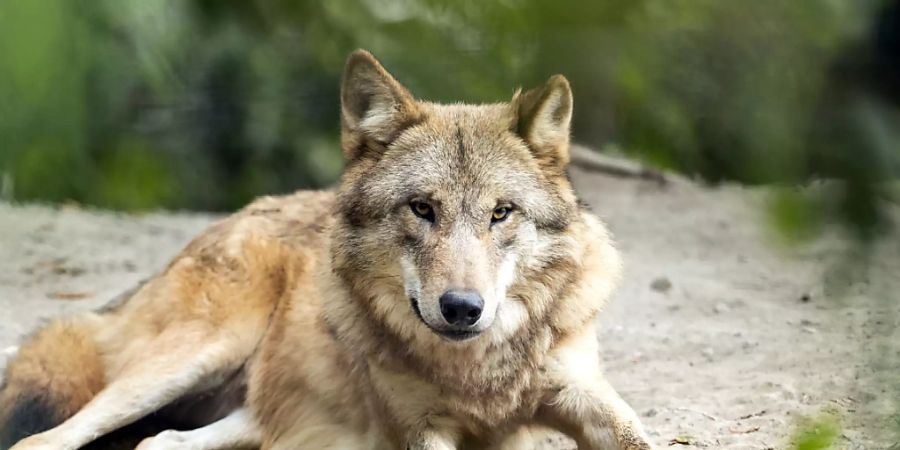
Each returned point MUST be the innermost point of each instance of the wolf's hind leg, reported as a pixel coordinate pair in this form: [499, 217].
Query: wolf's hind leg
[55, 374]
[142, 388]
[237, 430]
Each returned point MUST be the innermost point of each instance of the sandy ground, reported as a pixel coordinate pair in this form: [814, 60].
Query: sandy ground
[718, 337]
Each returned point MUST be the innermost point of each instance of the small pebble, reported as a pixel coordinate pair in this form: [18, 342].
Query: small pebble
[661, 284]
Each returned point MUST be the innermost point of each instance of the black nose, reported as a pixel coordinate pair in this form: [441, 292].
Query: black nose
[461, 308]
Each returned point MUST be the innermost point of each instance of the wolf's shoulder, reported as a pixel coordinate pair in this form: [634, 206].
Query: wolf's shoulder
[601, 258]
[591, 228]
[303, 203]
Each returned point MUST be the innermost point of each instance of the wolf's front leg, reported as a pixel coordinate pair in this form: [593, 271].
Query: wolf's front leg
[583, 405]
[597, 418]
[432, 431]
[431, 439]
[411, 402]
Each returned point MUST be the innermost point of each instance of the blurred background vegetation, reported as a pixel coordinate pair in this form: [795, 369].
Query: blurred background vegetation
[203, 104]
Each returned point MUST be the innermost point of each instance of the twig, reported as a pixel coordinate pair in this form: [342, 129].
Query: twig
[590, 160]
[748, 416]
[708, 416]
[734, 430]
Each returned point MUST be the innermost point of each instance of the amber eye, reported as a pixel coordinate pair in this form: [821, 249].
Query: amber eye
[422, 210]
[500, 214]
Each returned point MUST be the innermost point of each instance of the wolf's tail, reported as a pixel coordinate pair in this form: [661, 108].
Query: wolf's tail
[55, 373]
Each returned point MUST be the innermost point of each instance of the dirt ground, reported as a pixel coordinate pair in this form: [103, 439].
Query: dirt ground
[718, 337]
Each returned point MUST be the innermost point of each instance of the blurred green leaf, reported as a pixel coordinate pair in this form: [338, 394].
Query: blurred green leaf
[796, 214]
[818, 433]
[132, 177]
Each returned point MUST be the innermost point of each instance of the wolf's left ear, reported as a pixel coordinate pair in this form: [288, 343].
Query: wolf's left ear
[374, 106]
[542, 118]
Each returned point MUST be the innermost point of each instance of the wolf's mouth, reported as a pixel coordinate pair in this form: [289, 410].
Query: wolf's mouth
[415, 307]
[456, 335]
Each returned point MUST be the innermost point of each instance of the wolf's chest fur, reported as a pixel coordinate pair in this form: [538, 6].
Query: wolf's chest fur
[488, 385]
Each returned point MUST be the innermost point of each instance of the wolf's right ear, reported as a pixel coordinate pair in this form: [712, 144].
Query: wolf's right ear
[375, 107]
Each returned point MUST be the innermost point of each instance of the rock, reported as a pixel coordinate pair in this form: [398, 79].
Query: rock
[661, 284]
[788, 393]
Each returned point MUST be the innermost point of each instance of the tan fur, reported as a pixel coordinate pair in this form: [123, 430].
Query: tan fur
[325, 305]
[67, 345]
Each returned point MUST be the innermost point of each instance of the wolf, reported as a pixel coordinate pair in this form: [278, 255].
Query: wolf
[442, 297]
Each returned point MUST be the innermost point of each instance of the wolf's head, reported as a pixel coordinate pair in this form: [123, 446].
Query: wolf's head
[444, 206]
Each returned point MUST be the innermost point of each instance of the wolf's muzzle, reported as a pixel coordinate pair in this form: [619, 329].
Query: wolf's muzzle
[460, 308]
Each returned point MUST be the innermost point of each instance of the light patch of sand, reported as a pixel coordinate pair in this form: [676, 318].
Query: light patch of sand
[717, 336]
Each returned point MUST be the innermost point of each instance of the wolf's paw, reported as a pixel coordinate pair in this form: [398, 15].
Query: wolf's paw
[169, 439]
[639, 445]
[39, 442]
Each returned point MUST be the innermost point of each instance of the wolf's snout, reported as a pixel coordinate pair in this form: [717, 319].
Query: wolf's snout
[461, 308]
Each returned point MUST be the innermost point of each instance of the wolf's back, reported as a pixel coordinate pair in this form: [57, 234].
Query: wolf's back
[55, 373]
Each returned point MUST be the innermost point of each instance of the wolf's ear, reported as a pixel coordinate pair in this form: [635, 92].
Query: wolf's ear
[375, 107]
[542, 118]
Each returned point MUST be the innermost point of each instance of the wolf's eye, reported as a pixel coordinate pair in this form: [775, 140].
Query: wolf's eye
[500, 214]
[422, 210]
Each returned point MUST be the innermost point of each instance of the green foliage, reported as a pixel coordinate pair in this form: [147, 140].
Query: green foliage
[817, 434]
[795, 214]
[224, 100]
[131, 178]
